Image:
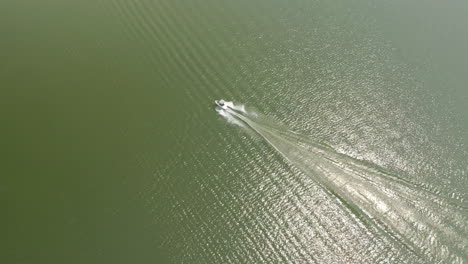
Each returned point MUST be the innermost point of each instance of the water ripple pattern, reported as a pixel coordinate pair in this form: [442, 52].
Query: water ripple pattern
[221, 195]
[426, 222]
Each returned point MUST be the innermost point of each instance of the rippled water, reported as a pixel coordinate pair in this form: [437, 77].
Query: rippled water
[114, 151]
[419, 218]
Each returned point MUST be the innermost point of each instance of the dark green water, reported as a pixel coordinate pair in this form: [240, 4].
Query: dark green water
[112, 151]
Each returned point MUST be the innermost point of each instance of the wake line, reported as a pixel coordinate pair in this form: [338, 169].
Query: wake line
[432, 226]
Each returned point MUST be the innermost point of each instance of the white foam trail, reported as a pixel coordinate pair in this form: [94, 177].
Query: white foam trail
[227, 112]
[229, 117]
[432, 226]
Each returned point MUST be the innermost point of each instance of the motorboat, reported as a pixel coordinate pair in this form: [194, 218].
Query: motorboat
[221, 103]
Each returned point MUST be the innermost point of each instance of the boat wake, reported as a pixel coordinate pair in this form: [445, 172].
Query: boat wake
[430, 224]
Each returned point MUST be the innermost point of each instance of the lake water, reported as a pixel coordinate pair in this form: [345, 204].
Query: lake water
[353, 147]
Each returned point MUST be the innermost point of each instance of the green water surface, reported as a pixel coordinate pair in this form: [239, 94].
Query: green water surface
[112, 151]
